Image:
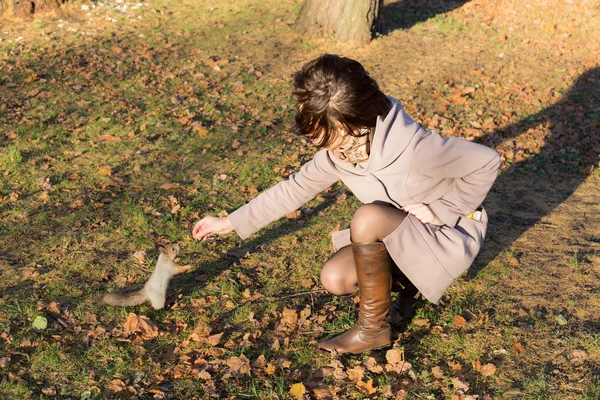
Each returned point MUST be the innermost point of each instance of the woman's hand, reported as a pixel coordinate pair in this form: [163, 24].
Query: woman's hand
[423, 213]
[209, 226]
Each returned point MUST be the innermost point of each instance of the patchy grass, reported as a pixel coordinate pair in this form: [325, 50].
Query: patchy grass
[122, 134]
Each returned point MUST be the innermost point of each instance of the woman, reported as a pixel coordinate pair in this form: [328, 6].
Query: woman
[422, 197]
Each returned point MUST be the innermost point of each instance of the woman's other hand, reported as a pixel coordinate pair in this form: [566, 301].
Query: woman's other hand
[209, 226]
[423, 213]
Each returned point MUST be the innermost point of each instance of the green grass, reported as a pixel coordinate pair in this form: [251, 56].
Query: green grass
[78, 242]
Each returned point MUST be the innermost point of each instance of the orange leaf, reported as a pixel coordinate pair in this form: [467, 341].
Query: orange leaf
[488, 370]
[366, 387]
[519, 348]
[459, 321]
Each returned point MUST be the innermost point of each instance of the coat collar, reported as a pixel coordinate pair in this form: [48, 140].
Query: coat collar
[392, 135]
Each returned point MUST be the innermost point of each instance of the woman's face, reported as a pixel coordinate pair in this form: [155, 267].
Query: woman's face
[341, 138]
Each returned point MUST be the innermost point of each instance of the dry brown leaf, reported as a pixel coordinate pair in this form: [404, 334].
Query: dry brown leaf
[141, 325]
[437, 372]
[43, 197]
[239, 365]
[109, 138]
[519, 348]
[322, 391]
[200, 332]
[488, 370]
[11, 135]
[204, 375]
[89, 318]
[297, 390]
[49, 391]
[76, 204]
[459, 321]
[116, 385]
[169, 186]
[394, 356]
[116, 49]
[140, 256]
[366, 387]
[213, 340]
[372, 365]
[356, 373]
[460, 384]
[289, 317]
[260, 362]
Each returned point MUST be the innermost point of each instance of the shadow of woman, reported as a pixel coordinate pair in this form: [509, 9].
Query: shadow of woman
[552, 152]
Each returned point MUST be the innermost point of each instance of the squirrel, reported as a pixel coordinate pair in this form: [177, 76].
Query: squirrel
[155, 289]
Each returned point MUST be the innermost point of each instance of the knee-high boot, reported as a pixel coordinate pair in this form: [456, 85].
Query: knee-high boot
[372, 331]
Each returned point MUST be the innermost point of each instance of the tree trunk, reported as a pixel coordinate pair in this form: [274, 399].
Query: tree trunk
[352, 21]
[26, 8]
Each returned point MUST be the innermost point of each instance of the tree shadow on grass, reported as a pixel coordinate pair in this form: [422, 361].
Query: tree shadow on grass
[404, 14]
[535, 185]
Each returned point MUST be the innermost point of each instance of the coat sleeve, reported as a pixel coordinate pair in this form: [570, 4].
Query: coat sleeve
[473, 168]
[286, 196]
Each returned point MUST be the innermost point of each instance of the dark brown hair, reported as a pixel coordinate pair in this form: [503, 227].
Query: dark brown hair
[334, 90]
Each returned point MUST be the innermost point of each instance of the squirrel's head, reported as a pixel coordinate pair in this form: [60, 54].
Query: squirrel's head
[170, 250]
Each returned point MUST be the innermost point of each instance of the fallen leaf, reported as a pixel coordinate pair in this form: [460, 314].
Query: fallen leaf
[356, 373]
[40, 323]
[460, 384]
[519, 348]
[141, 325]
[239, 365]
[109, 138]
[105, 171]
[116, 385]
[322, 391]
[437, 372]
[169, 186]
[213, 340]
[76, 204]
[488, 370]
[116, 49]
[459, 321]
[297, 390]
[372, 365]
[11, 135]
[260, 362]
[200, 332]
[49, 391]
[394, 356]
[366, 387]
[289, 317]
[140, 256]
[578, 357]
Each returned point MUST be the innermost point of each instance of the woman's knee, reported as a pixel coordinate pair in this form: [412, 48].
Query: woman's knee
[372, 222]
[338, 276]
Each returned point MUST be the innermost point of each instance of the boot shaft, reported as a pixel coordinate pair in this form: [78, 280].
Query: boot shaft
[372, 263]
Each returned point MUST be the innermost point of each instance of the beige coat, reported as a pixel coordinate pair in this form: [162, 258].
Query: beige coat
[407, 165]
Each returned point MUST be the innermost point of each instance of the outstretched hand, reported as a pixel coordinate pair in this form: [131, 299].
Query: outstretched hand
[209, 226]
[423, 213]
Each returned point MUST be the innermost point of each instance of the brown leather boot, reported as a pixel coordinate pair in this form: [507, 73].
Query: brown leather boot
[372, 331]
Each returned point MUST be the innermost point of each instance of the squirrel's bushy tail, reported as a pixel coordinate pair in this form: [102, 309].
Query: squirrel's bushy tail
[126, 299]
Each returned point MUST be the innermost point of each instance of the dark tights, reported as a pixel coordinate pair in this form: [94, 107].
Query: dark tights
[370, 223]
